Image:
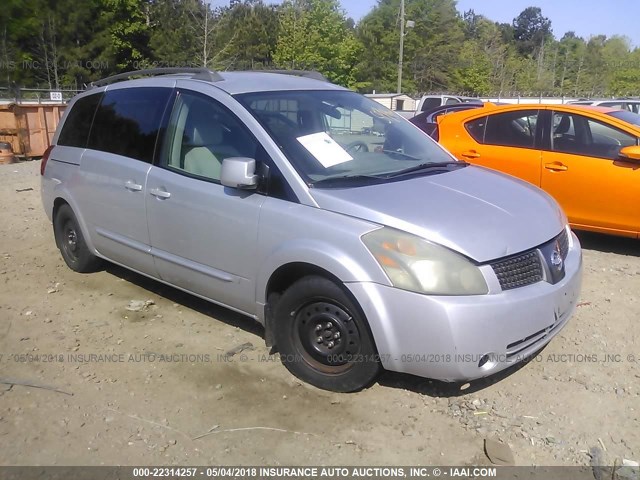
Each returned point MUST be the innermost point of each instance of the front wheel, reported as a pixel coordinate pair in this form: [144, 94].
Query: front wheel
[323, 338]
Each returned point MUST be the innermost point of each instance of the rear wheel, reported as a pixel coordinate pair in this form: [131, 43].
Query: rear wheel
[323, 338]
[70, 241]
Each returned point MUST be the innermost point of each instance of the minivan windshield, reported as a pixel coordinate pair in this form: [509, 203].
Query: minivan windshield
[339, 138]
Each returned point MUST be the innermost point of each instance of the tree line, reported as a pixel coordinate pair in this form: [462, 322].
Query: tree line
[66, 44]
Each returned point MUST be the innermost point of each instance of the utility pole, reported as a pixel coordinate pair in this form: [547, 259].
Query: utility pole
[409, 24]
[401, 46]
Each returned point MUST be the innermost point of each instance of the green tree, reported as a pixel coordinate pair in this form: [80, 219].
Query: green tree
[625, 82]
[246, 35]
[594, 79]
[431, 48]
[378, 32]
[61, 43]
[58, 43]
[28, 43]
[126, 23]
[172, 39]
[484, 57]
[435, 43]
[314, 34]
[571, 53]
[626, 74]
[530, 30]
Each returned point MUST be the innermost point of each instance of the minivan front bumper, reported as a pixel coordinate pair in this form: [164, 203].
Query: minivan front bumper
[460, 338]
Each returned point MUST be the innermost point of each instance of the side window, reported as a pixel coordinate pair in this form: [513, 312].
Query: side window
[201, 134]
[430, 103]
[580, 135]
[128, 122]
[476, 128]
[620, 105]
[75, 130]
[514, 129]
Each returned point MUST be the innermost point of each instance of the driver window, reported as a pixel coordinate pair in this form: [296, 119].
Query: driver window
[580, 135]
[201, 135]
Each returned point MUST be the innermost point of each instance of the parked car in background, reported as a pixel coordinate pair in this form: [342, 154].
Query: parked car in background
[586, 157]
[356, 240]
[427, 102]
[427, 120]
[625, 104]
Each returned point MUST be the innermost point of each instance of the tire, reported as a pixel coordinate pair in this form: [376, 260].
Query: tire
[70, 241]
[323, 338]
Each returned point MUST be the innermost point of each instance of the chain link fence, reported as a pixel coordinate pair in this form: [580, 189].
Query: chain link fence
[37, 95]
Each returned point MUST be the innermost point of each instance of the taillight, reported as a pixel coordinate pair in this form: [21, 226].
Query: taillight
[45, 157]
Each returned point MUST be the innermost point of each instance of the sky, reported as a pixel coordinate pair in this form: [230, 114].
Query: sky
[585, 17]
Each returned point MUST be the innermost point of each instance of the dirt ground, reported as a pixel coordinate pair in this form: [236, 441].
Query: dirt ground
[160, 391]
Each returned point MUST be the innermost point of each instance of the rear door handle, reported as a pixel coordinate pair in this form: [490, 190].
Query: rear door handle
[470, 154]
[156, 192]
[132, 186]
[556, 167]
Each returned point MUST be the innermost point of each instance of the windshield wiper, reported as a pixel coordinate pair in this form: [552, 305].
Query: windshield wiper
[426, 167]
[345, 179]
[402, 154]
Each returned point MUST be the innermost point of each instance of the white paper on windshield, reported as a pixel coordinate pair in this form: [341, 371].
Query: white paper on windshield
[326, 150]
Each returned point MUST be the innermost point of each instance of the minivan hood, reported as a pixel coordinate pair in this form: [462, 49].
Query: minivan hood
[478, 212]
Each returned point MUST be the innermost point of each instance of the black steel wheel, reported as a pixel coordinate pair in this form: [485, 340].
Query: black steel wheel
[70, 241]
[323, 338]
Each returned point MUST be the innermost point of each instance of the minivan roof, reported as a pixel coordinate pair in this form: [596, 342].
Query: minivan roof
[233, 82]
[257, 81]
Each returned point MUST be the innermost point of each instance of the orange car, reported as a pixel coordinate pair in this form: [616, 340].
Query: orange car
[587, 158]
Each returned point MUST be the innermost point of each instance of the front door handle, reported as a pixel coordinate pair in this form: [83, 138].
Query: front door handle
[556, 167]
[132, 186]
[470, 154]
[156, 192]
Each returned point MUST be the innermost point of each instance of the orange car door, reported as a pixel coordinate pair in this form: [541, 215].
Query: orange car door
[503, 141]
[583, 172]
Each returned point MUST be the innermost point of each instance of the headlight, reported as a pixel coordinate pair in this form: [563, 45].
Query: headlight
[569, 236]
[412, 263]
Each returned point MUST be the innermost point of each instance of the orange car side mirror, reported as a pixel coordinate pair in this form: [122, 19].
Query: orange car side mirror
[631, 152]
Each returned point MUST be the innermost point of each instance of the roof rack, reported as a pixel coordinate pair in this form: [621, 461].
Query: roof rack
[299, 73]
[200, 74]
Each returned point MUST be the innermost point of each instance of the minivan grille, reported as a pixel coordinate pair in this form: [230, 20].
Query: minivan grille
[526, 268]
[519, 270]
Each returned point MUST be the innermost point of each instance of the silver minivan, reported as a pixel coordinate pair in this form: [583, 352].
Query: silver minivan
[357, 241]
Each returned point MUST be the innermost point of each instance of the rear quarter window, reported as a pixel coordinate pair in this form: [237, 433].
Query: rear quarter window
[77, 126]
[476, 128]
[128, 122]
[513, 129]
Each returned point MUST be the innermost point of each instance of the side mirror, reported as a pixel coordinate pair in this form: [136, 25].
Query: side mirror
[631, 153]
[239, 172]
